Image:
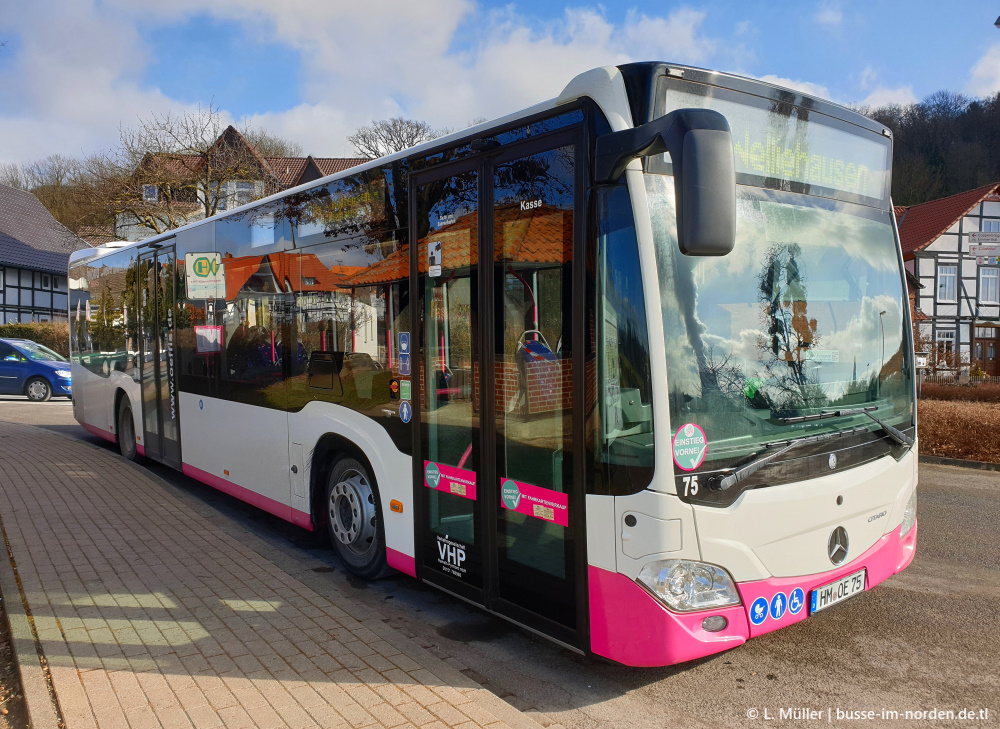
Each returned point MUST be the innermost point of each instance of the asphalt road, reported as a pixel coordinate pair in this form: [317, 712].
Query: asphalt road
[924, 641]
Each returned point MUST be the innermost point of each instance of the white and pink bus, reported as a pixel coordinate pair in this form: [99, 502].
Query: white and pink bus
[631, 368]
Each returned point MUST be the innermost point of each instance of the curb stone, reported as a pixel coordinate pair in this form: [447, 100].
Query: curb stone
[38, 698]
[978, 465]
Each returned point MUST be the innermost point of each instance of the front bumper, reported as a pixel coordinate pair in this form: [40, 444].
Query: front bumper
[630, 626]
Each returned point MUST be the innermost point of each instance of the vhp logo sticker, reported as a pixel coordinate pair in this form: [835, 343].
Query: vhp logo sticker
[451, 556]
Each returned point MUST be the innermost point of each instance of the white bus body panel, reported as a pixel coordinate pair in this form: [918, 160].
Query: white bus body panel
[248, 441]
[393, 470]
[94, 399]
[784, 531]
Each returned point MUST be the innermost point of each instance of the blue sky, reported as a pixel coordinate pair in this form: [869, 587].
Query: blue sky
[73, 71]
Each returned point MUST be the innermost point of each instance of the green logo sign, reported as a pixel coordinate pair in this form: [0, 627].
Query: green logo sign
[404, 389]
[432, 474]
[204, 267]
[510, 494]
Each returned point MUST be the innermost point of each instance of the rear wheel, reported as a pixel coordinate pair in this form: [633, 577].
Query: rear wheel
[126, 431]
[38, 389]
[354, 519]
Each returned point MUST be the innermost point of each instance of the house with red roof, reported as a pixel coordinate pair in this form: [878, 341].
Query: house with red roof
[951, 249]
[172, 188]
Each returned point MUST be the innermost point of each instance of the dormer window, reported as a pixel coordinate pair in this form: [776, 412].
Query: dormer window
[150, 193]
[310, 281]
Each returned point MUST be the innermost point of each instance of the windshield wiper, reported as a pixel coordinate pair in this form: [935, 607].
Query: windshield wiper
[723, 483]
[896, 435]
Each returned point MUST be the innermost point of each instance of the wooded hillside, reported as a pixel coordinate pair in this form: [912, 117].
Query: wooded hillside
[943, 145]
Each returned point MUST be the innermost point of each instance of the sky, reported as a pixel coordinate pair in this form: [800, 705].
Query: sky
[73, 72]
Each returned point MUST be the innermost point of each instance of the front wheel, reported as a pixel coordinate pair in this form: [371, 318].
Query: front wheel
[126, 431]
[354, 519]
[38, 389]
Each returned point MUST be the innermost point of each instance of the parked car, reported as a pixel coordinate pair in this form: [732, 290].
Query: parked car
[27, 368]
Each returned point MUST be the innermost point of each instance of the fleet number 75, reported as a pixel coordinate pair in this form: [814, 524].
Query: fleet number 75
[690, 485]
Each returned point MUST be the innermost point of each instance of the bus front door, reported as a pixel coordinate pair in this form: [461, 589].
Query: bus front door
[500, 518]
[157, 307]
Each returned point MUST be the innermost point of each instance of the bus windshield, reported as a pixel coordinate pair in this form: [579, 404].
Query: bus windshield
[805, 315]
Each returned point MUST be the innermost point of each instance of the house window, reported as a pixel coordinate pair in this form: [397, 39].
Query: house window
[244, 193]
[150, 193]
[991, 226]
[45, 280]
[989, 285]
[947, 280]
[310, 281]
[945, 340]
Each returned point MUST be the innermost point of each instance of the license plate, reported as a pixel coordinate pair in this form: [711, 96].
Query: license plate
[827, 595]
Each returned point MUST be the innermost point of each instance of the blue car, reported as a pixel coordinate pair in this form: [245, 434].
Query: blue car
[28, 368]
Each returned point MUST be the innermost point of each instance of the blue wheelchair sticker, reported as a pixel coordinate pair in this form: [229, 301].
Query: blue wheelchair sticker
[778, 605]
[758, 611]
[796, 599]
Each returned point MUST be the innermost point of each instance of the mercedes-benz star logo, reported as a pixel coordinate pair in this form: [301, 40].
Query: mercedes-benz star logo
[838, 546]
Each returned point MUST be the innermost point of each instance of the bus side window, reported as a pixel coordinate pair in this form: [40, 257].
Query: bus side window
[624, 437]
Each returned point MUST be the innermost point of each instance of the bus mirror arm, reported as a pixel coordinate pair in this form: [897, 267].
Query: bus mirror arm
[700, 145]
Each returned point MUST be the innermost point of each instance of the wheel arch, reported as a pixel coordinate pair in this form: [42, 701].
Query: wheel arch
[119, 394]
[330, 448]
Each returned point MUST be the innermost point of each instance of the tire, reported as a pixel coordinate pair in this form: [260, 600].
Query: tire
[38, 389]
[126, 431]
[353, 514]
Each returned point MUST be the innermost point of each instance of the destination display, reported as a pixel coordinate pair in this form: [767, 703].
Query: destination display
[781, 143]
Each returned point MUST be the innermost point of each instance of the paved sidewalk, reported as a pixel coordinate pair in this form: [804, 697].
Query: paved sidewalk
[148, 614]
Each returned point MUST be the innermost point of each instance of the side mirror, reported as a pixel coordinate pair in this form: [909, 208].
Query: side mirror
[700, 145]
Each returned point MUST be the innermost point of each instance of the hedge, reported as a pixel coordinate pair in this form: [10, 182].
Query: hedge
[54, 335]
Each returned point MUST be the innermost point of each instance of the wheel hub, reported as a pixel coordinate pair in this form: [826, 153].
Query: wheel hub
[352, 512]
[36, 389]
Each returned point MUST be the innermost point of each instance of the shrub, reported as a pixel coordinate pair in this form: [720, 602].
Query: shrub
[54, 335]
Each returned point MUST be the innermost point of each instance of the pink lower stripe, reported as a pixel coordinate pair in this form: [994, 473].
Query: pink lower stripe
[106, 434]
[271, 506]
[402, 562]
[140, 449]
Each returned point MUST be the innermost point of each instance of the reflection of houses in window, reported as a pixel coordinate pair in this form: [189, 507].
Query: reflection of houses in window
[951, 250]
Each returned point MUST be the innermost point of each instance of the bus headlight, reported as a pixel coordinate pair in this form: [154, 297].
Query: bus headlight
[909, 515]
[684, 585]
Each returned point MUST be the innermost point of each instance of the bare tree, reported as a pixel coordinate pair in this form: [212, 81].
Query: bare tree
[392, 135]
[12, 175]
[172, 169]
[268, 144]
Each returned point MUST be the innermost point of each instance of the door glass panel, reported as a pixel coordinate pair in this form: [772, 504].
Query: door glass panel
[149, 353]
[533, 241]
[167, 311]
[448, 230]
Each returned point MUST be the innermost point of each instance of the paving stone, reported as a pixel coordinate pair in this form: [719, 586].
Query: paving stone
[151, 615]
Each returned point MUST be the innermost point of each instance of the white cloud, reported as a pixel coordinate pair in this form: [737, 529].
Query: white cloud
[884, 96]
[76, 82]
[986, 73]
[806, 87]
[829, 14]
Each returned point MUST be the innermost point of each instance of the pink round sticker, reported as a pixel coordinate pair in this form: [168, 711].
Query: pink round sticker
[690, 446]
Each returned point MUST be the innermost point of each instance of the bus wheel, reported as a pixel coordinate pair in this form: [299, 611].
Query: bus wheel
[354, 519]
[126, 431]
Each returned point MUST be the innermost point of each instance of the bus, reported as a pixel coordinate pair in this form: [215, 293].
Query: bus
[631, 368]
